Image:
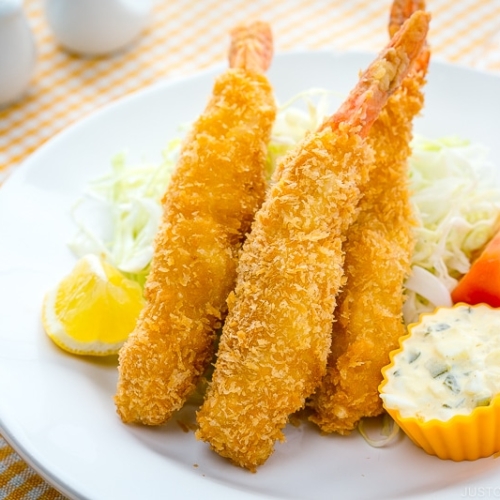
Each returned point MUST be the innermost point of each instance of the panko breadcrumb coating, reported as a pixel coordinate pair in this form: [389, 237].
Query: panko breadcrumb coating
[218, 185]
[277, 335]
[378, 250]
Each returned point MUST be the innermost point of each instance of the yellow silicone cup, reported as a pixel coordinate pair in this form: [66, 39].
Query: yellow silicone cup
[462, 437]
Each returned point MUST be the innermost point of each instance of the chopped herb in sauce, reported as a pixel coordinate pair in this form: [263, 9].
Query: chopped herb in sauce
[413, 356]
[483, 402]
[440, 327]
[436, 367]
[451, 382]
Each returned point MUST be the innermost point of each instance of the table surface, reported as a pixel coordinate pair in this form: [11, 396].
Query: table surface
[183, 37]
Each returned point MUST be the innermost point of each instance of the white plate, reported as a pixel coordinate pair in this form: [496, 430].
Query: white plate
[57, 409]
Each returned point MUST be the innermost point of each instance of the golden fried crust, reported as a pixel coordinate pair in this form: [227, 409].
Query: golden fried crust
[276, 338]
[378, 254]
[212, 198]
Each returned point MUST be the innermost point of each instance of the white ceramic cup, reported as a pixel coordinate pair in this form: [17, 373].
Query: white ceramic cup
[97, 27]
[17, 51]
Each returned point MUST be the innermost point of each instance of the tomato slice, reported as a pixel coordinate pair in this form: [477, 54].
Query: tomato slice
[482, 283]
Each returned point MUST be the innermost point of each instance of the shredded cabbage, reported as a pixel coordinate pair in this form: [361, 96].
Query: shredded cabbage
[455, 195]
[293, 122]
[456, 199]
[119, 214]
[387, 428]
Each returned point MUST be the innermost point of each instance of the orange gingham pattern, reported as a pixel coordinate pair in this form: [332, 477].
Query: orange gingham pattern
[185, 36]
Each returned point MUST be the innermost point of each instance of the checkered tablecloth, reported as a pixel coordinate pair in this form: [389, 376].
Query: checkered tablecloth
[183, 37]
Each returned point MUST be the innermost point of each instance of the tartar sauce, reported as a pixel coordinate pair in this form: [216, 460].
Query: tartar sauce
[449, 365]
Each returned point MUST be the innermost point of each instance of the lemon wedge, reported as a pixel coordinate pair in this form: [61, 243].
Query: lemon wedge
[93, 310]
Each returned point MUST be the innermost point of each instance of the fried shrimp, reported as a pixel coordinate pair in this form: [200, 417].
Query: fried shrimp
[378, 249]
[218, 185]
[276, 338]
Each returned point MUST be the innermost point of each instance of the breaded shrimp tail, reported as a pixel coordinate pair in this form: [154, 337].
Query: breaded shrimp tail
[218, 185]
[277, 335]
[378, 250]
